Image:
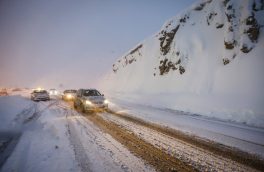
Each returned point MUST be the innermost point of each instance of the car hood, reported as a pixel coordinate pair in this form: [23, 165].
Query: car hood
[41, 94]
[95, 98]
[70, 94]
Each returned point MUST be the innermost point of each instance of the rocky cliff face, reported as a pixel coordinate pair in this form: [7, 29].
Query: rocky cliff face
[207, 36]
[212, 51]
[239, 23]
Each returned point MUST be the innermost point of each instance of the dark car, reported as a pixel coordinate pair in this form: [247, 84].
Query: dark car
[69, 94]
[38, 95]
[3, 92]
[89, 100]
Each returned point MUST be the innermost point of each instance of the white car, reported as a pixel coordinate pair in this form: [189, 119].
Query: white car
[38, 95]
[69, 95]
[53, 92]
[89, 100]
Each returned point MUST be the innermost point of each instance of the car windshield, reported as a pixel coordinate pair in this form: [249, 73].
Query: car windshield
[91, 93]
[69, 91]
[40, 91]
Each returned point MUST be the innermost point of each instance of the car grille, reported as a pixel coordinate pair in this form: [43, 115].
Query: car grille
[98, 102]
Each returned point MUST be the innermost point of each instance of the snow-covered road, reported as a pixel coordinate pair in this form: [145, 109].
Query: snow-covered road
[52, 136]
[56, 138]
[201, 159]
[241, 136]
[96, 150]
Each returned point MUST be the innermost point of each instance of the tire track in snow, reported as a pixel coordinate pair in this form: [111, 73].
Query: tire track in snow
[37, 112]
[8, 142]
[201, 159]
[96, 140]
[79, 151]
[78, 148]
[32, 112]
[25, 113]
[151, 155]
[103, 153]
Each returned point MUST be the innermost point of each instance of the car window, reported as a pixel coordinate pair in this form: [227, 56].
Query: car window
[70, 91]
[41, 91]
[91, 93]
[79, 93]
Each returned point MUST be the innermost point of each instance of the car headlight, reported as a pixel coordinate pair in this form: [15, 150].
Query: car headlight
[55, 92]
[106, 101]
[88, 102]
[69, 96]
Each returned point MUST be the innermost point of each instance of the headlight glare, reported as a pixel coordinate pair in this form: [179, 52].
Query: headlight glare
[106, 101]
[88, 102]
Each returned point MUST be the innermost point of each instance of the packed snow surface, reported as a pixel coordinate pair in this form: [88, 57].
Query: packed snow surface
[237, 135]
[50, 136]
[53, 137]
[199, 158]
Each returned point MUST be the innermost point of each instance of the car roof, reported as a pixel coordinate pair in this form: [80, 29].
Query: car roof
[39, 91]
[89, 89]
[70, 90]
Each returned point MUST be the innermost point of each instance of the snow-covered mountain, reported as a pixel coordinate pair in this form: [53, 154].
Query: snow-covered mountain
[207, 60]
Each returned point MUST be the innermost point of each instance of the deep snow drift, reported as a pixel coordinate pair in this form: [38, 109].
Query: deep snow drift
[207, 60]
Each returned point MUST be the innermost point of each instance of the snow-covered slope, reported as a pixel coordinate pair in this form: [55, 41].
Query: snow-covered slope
[207, 60]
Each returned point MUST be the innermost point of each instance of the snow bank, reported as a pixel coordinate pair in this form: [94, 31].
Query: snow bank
[10, 107]
[207, 60]
[43, 144]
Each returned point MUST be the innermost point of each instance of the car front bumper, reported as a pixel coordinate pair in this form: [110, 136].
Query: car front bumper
[66, 97]
[41, 98]
[96, 107]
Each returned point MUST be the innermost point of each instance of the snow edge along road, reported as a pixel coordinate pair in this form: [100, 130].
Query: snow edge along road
[159, 157]
[231, 153]
[200, 154]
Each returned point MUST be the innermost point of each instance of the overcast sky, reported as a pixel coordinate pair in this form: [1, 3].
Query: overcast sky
[73, 42]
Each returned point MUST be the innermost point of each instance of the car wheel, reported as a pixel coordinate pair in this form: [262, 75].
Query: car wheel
[83, 109]
[74, 105]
